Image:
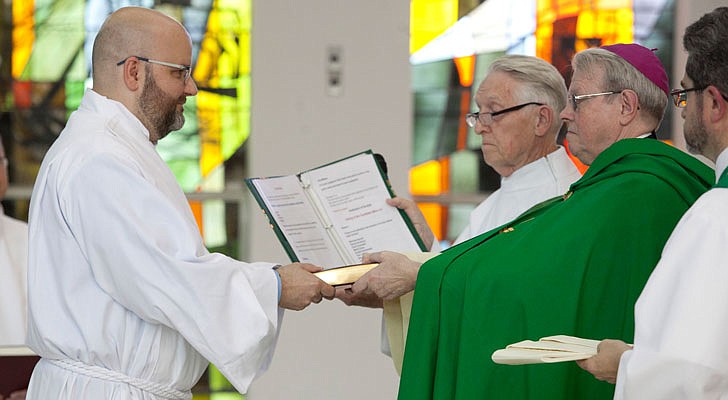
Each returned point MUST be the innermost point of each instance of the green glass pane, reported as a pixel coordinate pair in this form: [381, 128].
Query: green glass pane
[457, 219]
[434, 75]
[464, 170]
[74, 93]
[236, 121]
[217, 381]
[59, 41]
[426, 129]
[482, 63]
[187, 173]
[226, 396]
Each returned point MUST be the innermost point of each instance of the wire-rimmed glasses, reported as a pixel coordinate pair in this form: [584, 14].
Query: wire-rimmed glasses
[186, 69]
[486, 118]
[575, 99]
[680, 96]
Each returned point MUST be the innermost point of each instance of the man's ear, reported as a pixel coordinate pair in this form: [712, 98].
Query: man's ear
[544, 120]
[132, 74]
[630, 104]
[715, 104]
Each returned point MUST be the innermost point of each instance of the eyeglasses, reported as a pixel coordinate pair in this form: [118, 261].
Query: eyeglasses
[680, 96]
[487, 117]
[574, 100]
[186, 69]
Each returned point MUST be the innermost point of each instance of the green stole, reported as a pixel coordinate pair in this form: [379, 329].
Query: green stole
[572, 265]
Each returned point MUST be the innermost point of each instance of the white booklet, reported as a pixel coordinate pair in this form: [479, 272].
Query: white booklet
[546, 350]
[333, 214]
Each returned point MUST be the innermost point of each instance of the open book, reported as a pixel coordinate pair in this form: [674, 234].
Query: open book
[333, 214]
[547, 350]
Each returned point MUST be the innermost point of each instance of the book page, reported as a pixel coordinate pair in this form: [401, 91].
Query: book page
[289, 206]
[352, 193]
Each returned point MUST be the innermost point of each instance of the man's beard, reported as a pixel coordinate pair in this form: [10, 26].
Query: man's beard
[159, 110]
[696, 136]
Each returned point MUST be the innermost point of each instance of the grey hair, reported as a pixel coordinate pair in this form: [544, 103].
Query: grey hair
[540, 81]
[619, 74]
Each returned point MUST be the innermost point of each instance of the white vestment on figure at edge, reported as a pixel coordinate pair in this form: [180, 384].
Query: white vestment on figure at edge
[681, 317]
[120, 284]
[13, 271]
[540, 180]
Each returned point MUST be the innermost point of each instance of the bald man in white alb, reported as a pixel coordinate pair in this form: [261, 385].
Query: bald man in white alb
[124, 299]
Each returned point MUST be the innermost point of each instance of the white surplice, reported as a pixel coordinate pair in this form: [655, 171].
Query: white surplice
[13, 271]
[540, 180]
[119, 278]
[681, 317]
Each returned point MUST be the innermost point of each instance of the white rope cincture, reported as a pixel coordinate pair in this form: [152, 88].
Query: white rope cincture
[94, 371]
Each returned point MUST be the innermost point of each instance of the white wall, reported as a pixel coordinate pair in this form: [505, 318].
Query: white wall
[328, 351]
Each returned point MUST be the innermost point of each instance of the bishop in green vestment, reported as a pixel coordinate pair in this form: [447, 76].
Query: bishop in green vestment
[572, 265]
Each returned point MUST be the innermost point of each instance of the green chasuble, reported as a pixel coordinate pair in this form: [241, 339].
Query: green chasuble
[573, 265]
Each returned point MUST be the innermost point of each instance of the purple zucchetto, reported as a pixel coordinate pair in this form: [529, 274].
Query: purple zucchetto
[645, 61]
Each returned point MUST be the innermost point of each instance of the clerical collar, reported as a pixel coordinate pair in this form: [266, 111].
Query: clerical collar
[721, 163]
[648, 135]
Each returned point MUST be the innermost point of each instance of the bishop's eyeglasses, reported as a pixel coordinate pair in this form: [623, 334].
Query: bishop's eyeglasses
[576, 99]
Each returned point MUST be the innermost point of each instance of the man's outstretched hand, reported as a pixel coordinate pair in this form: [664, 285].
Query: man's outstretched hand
[299, 287]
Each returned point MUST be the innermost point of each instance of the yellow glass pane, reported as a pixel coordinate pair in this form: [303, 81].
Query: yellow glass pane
[586, 23]
[430, 18]
[432, 179]
[223, 68]
[436, 217]
[208, 111]
[426, 179]
[606, 26]
[23, 35]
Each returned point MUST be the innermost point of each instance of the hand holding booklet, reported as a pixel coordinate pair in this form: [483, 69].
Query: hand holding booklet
[333, 214]
[546, 350]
